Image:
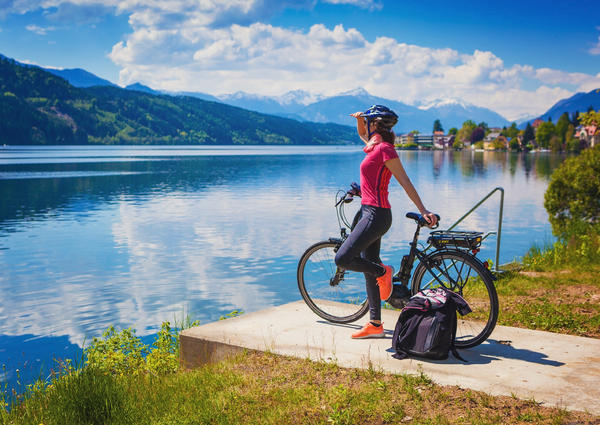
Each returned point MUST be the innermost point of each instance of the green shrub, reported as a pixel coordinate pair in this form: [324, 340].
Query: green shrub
[573, 145]
[164, 358]
[572, 199]
[123, 353]
[117, 352]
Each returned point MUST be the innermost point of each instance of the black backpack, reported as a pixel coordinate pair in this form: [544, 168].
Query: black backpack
[427, 325]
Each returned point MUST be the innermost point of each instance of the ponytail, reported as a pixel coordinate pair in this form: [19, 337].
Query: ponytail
[386, 133]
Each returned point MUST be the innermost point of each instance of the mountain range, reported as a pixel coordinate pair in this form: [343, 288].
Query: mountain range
[303, 106]
[39, 107]
[579, 102]
[336, 109]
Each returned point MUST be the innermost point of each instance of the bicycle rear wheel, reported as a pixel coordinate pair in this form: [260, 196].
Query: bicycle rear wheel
[464, 274]
[335, 294]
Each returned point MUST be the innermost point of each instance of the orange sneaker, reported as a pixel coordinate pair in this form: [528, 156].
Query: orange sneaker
[369, 331]
[385, 283]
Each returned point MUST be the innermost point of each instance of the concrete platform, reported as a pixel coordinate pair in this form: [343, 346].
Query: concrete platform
[558, 370]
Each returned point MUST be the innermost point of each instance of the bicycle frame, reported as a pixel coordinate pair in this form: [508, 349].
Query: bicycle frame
[404, 273]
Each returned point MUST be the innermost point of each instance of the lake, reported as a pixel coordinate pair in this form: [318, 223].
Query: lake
[133, 236]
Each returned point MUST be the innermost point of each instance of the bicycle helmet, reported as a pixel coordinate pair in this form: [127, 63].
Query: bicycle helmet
[382, 114]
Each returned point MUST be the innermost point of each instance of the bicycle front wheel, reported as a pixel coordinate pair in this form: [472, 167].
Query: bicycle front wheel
[462, 273]
[335, 294]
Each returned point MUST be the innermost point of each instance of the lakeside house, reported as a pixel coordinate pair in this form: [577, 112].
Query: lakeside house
[493, 135]
[443, 141]
[437, 140]
[590, 134]
[536, 123]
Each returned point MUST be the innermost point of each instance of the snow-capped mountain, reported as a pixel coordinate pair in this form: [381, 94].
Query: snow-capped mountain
[453, 112]
[524, 118]
[284, 105]
[336, 109]
[442, 102]
[298, 97]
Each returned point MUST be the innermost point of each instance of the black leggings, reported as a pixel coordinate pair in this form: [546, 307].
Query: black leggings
[360, 252]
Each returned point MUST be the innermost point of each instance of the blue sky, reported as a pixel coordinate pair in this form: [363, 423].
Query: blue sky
[516, 58]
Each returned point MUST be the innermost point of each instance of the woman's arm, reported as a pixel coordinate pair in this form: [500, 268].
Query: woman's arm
[361, 126]
[395, 166]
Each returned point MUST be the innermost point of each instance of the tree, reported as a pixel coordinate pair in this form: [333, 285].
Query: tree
[575, 119]
[453, 131]
[483, 125]
[571, 199]
[562, 126]
[437, 126]
[544, 133]
[590, 118]
[555, 143]
[572, 143]
[510, 132]
[529, 134]
[477, 135]
[465, 132]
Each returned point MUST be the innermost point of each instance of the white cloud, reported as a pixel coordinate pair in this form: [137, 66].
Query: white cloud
[223, 47]
[365, 4]
[39, 30]
[271, 60]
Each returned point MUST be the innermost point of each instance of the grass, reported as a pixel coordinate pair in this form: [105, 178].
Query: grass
[556, 288]
[553, 290]
[268, 389]
[565, 301]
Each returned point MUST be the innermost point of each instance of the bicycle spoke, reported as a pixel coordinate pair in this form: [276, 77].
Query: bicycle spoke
[459, 277]
[466, 280]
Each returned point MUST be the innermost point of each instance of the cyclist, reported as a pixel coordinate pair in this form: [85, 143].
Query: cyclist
[360, 252]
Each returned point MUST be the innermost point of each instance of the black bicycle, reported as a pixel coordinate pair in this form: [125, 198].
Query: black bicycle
[339, 295]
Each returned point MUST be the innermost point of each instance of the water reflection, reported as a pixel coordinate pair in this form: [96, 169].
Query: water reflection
[133, 243]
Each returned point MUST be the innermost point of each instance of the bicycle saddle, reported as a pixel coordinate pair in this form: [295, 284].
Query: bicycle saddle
[419, 218]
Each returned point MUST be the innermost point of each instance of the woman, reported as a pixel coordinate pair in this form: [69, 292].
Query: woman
[360, 252]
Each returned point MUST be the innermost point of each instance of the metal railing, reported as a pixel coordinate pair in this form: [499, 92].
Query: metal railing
[498, 233]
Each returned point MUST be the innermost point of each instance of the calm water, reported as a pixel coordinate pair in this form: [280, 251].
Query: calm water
[133, 236]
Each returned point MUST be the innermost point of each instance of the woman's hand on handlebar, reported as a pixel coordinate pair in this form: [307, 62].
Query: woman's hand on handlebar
[431, 218]
[355, 190]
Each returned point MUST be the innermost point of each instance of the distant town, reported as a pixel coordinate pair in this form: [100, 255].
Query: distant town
[570, 133]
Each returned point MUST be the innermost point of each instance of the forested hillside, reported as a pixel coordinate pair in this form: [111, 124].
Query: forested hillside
[37, 107]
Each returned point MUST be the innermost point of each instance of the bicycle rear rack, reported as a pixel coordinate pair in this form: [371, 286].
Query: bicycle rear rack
[498, 233]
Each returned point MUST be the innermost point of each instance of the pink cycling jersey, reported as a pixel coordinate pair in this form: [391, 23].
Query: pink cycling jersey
[375, 176]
